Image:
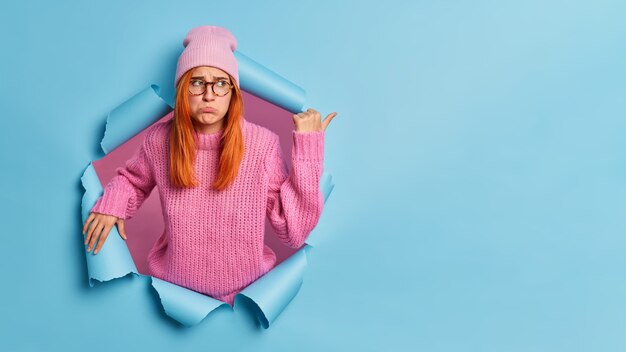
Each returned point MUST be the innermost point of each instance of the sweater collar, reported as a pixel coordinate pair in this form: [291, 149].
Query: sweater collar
[211, 141]
[208, 141]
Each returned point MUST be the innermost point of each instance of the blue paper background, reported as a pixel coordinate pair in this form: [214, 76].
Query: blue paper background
[478, 161]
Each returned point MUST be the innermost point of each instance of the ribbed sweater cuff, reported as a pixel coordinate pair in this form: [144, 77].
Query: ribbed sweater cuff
[112, 202]
[308, 146]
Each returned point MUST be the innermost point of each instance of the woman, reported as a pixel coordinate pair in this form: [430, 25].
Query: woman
[219, 176]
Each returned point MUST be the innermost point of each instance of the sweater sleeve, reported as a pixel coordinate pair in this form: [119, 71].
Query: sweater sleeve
[295, 201]
[125, 193]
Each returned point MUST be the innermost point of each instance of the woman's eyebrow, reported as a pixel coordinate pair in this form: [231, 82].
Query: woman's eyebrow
[202, 77]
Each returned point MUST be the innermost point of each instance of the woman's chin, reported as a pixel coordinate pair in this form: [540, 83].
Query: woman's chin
[201, 121]
[207, 118]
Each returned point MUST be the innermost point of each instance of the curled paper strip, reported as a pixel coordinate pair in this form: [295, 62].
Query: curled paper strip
[267, 85]
[132, 117]
[116, 261]
[184, 305]
[327, 185]
[272, 292]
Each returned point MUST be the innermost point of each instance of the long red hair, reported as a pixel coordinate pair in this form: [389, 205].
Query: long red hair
[183, 145]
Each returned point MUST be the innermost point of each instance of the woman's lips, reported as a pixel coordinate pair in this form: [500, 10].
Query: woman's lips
[208, 110]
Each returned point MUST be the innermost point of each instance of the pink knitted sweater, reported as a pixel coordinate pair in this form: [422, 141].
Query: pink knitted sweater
[213, 240]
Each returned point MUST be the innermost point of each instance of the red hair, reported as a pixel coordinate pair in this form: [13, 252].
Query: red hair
[183, 145]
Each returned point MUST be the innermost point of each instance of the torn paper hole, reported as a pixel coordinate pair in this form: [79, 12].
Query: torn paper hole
[271, 293]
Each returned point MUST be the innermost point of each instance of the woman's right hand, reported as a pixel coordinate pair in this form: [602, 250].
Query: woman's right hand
[101, 225]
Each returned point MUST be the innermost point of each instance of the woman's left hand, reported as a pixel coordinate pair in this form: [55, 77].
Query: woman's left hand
[311, 121]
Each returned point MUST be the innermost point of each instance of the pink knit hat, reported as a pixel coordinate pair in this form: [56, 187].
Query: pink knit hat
[208, 46]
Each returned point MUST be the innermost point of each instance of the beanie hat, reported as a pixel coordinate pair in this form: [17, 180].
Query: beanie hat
[208, 46]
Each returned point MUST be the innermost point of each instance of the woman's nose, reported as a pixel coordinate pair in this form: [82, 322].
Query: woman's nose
[208, 94]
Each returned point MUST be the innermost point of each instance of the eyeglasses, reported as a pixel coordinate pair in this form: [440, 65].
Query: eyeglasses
[220, 88]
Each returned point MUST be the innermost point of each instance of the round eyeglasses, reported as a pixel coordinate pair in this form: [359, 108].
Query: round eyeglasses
[220, 88]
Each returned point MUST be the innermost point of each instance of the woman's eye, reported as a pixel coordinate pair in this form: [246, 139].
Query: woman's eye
[222, 83]
[196, 83]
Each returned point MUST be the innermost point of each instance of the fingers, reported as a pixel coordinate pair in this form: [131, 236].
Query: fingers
[103, 237]
[309, 114]
[99, 229]
[92, 229]
[313, 112]
[311, 120]
[93, 235]
[89, 218]
[327, 120]
[120, 228]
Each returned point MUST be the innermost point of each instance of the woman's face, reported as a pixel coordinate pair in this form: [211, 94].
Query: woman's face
[208, 109]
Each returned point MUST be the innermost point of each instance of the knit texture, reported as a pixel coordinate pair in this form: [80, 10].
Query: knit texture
[208, 46]
[213, 241]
